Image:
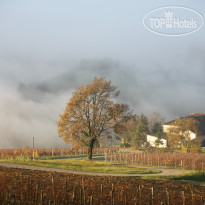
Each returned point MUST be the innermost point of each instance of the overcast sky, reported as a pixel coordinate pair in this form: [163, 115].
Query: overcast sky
[49, 48]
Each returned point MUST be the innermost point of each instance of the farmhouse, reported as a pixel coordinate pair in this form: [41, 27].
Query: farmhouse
[200, 117]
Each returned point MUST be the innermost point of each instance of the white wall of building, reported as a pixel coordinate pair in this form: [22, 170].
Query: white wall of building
[151, 139]
[166, 128]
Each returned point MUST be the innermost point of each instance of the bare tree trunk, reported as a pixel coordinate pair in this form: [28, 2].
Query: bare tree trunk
[90, 149]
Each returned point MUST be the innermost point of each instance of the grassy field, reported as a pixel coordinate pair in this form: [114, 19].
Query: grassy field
[197, 178]
[85, 165]
[98, 165]
[191, 177]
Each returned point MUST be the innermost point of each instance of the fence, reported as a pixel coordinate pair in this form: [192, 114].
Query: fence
[4, 153]
[173, 160]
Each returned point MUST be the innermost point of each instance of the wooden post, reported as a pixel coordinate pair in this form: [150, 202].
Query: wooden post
[192, 196]
[167, 193]
[152, 195]
[73, 196]
[101, 190]
[81, 197]
[53, 184]
[91, 200]
[41, 196]
[33, 149]
[21, 195]
[36, 192]
[140, 192]
[66, 186]
[52, 179]
[84, 201]
[183, 197]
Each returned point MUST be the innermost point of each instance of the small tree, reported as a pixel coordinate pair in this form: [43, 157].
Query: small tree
[141, 131]
[156, 128]
[91, 115]
[159, 141]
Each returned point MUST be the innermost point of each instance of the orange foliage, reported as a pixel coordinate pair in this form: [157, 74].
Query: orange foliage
[91, 114]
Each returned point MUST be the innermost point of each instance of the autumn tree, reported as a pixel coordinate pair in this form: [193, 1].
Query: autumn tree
[91, 114]
[183, 133]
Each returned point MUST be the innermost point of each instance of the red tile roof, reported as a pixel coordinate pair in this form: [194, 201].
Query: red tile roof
[196, 115]
[200, 117]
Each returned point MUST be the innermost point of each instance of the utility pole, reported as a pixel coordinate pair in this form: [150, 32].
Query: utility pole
[33, 143]
[33, 149]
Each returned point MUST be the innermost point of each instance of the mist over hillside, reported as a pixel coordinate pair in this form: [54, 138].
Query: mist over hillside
[32, 109]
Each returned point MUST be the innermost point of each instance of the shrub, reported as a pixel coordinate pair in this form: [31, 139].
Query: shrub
[125, 144]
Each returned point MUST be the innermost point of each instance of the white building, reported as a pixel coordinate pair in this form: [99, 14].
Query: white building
[152, 139]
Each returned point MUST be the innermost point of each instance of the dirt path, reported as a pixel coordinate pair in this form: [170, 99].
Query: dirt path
[164, 171]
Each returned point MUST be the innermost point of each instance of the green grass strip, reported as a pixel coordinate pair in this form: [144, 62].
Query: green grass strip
[87, 166]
